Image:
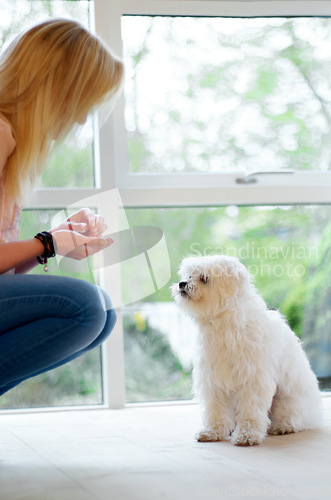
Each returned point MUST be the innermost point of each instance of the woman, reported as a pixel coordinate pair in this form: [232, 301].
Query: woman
[51, 77]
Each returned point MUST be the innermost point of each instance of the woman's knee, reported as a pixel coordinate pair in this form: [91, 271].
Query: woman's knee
[99, 309]
[93, 311]
[92, 304]
[95, 338]
[111, 316]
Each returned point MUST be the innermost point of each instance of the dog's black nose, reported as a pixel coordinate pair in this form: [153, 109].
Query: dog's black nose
[182, 284]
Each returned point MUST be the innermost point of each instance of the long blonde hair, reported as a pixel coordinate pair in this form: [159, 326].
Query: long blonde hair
[51, 77]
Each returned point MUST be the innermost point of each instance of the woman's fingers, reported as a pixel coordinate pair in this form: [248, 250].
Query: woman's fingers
[98, 244]
[79, 227]
[83, 222]
[95, 223]
[77, 246]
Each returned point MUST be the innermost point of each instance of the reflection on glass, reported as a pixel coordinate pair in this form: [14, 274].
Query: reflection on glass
[227, 95]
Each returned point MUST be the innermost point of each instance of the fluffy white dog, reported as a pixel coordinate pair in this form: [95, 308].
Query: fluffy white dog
[250, 372]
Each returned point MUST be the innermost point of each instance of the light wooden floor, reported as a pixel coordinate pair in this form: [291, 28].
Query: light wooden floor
[149, 454]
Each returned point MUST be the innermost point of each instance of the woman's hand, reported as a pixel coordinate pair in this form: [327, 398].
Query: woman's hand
[84, 222]
[72, 244]
[79, 235]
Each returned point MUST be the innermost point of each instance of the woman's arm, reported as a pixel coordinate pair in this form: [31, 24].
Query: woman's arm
[27, 266]
[22, 255]
[15, 254]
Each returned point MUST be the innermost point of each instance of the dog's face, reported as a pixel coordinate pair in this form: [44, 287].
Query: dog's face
[209, 285]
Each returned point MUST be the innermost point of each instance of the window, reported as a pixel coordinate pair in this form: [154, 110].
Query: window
[195, 86]
[190, 101]
[222, 140]
[219, 95]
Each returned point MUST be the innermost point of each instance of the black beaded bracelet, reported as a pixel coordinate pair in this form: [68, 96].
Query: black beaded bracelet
[49, 248]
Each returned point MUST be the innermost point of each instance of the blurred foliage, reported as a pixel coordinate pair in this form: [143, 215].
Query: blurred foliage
[316, 311]
[152, 371]
[277, 244]
[217, 77]
[76, 383]
[69, 166]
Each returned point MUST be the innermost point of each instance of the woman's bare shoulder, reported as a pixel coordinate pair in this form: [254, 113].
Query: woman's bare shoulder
[7, 143]
[6, 136]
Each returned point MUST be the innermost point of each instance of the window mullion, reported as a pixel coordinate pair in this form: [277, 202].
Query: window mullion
[113, 351]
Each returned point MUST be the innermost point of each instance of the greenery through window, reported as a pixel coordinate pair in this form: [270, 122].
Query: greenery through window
[227, 94]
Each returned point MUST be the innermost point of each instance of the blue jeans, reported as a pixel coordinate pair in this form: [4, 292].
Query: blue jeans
[46, 321]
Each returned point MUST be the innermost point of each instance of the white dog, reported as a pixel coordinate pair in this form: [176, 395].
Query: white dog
[250, 371]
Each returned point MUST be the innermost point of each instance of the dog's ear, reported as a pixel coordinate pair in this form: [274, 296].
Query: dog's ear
[239, 274]
[234, 277]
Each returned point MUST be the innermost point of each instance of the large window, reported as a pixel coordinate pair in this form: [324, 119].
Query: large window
[223, 142]
[215, 94]
[221, 139]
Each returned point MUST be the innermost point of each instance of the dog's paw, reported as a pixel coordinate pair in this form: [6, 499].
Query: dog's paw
[277, 429]
[247, 435]
[212, 434]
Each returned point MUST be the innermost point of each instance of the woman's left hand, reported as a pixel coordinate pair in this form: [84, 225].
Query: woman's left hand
[77, 246]
[84, 222]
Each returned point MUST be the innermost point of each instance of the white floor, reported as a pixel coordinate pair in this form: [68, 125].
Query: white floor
[149, 453]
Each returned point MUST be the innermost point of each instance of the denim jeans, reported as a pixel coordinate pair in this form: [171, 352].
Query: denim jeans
[46, 321]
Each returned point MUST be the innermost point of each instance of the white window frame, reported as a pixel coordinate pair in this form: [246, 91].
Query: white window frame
[166, 190]
[194, 188]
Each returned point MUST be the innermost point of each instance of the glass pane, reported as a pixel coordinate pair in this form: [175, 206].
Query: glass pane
[76, 383]
[227, 95]
[286, 249]
[72, 164]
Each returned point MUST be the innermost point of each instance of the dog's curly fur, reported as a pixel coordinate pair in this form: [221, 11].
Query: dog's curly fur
[250, 372]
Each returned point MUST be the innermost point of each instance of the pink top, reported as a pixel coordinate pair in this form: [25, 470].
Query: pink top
[9, 211]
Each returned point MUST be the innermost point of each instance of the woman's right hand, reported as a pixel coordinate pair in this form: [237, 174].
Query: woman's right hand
[84, 222]
[77, 246]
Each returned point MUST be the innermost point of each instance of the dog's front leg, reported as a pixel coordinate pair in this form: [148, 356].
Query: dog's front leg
[218, 416]
[253, 403]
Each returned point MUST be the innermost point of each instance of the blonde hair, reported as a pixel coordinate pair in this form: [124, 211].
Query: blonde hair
[51, 77]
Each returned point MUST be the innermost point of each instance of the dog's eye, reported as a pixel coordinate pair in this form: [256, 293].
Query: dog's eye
[203, 278]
